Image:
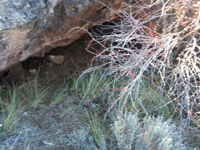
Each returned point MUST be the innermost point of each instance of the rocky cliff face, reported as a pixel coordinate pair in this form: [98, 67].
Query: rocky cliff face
[34, 27]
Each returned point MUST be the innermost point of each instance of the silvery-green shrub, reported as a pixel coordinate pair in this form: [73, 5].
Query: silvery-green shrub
[81, 140]
[152, 134]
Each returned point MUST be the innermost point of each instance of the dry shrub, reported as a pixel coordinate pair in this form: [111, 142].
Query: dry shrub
[156, 41]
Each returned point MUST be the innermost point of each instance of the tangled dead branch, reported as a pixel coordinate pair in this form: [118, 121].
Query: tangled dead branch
[156, 42]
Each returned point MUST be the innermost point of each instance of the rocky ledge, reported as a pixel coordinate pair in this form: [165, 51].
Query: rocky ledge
[34, 27]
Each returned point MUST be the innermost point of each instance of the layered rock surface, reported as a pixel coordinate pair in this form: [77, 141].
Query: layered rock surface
[34, 27]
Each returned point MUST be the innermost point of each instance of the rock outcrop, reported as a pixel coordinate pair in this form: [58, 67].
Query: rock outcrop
[34, 27]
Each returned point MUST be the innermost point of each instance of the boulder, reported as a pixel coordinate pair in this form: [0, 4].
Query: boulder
[34, 27]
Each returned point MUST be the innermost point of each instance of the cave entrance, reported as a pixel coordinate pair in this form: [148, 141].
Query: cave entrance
[75, 59]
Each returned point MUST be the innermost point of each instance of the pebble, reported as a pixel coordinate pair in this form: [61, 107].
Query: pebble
[56, 59]
[34, 71]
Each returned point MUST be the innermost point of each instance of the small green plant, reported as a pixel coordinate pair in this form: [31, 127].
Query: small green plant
[89, 83]
[10, 109]
[60, 95]
[69, 108]
[32, 94]
[95, 126]
[18, 98]
[149, 100]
